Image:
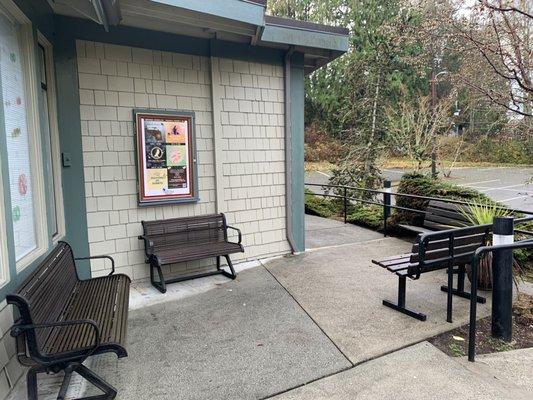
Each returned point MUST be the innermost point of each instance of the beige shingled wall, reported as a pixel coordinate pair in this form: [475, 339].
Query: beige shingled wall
[115, 79]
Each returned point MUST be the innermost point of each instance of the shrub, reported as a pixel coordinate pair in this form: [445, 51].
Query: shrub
[370, 216]
[320, 206]
[422, 185]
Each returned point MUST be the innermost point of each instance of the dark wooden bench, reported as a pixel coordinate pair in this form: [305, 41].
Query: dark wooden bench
[186, 239]
[434, 251]
[440, 215]
[64, 320]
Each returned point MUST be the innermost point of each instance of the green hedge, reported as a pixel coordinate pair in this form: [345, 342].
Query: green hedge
[422, 185]
[320, 206]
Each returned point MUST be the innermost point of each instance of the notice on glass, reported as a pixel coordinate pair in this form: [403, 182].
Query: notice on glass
[164, 151]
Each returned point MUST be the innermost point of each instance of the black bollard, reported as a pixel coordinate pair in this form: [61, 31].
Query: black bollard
[386, 203]
[502, 280]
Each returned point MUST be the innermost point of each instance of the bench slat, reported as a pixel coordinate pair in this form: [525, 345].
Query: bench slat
[54, 293]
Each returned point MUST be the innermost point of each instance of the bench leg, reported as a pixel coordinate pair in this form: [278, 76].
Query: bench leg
[66, 381]
[449, 297]
[31, 381]
[460, 291]
[231, 275]
[109, 391]
[400, 306]
[161, 284]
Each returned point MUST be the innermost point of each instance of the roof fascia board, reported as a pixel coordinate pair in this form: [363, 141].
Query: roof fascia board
[305, 38]
[238, 10]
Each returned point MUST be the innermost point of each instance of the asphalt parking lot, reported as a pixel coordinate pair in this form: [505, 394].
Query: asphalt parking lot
[512, 186]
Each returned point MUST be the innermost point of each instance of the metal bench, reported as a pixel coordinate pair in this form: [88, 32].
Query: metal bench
[64, 320]
[439, 216]
[185, 239]
[434, 251]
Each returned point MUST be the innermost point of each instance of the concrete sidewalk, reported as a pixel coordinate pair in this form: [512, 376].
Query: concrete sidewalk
[420, 372]
[343, 292]
[322, 232]
[310, 326]
[247, 339]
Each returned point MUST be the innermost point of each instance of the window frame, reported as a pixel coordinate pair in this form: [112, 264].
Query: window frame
[28, 52]
[4, 259]
[55, 150]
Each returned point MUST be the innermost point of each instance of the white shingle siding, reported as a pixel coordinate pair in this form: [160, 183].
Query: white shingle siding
[115, 79]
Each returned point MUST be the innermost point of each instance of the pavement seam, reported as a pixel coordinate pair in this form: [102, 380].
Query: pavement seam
[336, 246]
[310, 317]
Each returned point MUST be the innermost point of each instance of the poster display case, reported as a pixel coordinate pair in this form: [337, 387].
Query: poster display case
[166, 157]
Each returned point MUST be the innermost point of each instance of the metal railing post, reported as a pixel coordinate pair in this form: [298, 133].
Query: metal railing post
[386, 204]
[502, 277]
[345, 206]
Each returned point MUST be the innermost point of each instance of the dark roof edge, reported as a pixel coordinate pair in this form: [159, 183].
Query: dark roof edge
[260, 2]
[304, 25]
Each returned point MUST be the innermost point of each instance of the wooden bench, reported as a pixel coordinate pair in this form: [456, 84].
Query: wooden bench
[439, 216]
[434, 251]
[185, 239]
[63, 320]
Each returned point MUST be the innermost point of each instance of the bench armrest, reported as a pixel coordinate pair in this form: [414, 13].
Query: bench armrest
[147, 241]
[18, 329]
[100, 257]
[238, 231]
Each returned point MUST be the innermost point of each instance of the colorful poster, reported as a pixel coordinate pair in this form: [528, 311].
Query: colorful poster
[176, 132]
[157, 179]
[155, 155]
[165, 157]
[176, 156]
[177, 178]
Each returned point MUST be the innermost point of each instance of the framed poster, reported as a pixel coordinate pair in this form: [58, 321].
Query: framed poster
[166, 157]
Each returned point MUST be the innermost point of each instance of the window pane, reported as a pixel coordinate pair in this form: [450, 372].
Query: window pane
[17, 137]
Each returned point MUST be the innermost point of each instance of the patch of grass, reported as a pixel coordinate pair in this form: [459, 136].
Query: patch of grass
[499, 345]
[456, 350]
[318, 166]
[406, 163]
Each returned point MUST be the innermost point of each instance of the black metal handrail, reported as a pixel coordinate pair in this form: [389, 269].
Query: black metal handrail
[473, 304]
[387, 206]
[412, 196]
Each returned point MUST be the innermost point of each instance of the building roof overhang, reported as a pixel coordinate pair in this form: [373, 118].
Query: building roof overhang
[241, 21]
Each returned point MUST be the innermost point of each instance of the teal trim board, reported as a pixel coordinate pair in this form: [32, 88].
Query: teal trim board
[297, 97]
[143, 38]
[69, 121]
[305, 38]
[40, 15]
[4, 168]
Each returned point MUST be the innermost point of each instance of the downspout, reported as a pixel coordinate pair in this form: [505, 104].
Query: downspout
[288, 151]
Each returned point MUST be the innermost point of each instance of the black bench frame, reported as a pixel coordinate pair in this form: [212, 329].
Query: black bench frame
[156, 265]
[451, 250]
[29, 352]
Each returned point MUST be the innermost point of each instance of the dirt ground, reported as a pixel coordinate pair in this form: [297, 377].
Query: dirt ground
[455, 342]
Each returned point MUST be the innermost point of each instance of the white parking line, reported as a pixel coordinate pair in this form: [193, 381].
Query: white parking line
[502, 188]
[488, 188]
[514, 198]
[478, 183]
